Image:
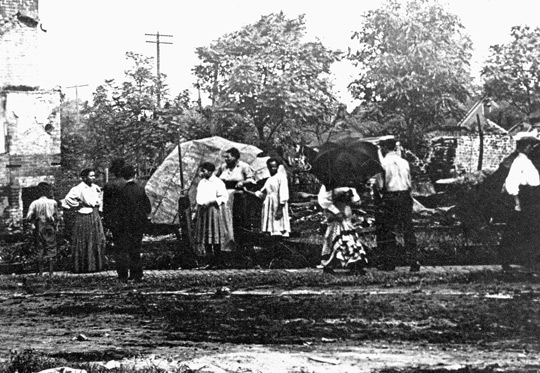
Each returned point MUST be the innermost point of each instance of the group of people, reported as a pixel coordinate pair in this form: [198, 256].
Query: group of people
[223, 211]
[125, 208]
[392, 191]
[223, 214]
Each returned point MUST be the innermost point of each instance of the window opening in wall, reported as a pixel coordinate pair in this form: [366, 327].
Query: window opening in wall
[27, 196]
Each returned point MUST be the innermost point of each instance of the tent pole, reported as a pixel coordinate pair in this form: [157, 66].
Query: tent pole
[184, 213]
[181, 166]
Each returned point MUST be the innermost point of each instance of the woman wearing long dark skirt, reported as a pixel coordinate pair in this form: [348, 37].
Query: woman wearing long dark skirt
[213, 226]
[88, 239]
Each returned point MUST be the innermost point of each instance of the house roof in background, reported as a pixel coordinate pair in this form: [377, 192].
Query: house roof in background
[469, 123]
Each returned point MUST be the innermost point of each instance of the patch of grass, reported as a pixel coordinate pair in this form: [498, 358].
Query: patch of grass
[32, 361]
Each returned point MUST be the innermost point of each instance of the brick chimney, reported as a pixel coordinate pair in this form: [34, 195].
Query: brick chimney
[19, 28]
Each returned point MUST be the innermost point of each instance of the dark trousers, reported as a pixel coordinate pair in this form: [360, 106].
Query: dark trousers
[127, 254]
[521, 235]
[394, 219]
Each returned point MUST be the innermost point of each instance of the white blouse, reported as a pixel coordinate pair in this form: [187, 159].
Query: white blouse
[325, 198]
[522, 172]
[211, 190]
[84, 198]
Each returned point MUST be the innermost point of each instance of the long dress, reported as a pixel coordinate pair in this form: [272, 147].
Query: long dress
[276, 189]
[341, 242]
[238, 203]
[213, 224]
[88, 239]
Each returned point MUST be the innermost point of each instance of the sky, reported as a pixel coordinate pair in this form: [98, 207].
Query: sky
[86, 41]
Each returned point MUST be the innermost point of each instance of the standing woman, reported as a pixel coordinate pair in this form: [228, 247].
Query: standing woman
[237, 175]
[341, 242]
[213, 225]
[522, 226]
[275, 211]
[88, 239]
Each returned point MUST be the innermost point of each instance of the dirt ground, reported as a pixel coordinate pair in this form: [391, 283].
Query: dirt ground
[477, 326]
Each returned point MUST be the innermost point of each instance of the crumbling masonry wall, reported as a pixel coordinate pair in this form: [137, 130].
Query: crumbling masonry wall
[496, 148]
[451, 156]
[28, 7]
[19, 43]
[29, 117]
[31, 128]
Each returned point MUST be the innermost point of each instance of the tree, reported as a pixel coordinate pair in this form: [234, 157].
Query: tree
[267, 75]
[512, 71]
[413, 59]
[125, 121]
[73, 136]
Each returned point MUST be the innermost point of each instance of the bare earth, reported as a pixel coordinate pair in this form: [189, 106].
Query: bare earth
[270, 329]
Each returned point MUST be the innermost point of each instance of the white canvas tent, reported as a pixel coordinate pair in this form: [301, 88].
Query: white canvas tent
[164, 187]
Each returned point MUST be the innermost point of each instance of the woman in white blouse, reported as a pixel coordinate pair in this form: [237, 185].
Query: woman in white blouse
[523, 185]
[213, 224]
[88, 239]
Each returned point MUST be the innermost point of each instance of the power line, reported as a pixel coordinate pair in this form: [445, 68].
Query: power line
[77, 98]
[158, 42]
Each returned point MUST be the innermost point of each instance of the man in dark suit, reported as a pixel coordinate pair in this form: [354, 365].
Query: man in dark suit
[134, 209]
[111, 203]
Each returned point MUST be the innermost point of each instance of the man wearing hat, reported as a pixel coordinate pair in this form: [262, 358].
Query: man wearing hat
[522, 184]
[395, 209]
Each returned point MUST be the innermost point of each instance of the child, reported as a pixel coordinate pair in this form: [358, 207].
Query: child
[43, 215]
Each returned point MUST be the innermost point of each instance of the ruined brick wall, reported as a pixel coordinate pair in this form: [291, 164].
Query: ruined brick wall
[28, 7]
[30, 124]
[496, 148]
[440, 164]
[18, 43]
[451, 156]
[29, 119]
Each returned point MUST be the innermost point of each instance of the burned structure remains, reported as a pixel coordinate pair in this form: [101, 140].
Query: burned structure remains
[29, 116]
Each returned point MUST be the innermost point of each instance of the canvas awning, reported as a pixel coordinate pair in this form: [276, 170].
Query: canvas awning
[164, 187]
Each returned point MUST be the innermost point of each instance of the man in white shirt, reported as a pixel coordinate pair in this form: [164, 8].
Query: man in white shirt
[396, 205]
[522, 172]
[522, 184]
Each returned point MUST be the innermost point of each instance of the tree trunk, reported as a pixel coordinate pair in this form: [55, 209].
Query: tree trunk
[481, 139]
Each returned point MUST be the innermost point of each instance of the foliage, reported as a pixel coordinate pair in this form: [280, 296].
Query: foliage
[505, 115]
[73, 135]
[31, 361]
[277, 84]
[23, 252]
[413, 59]
[512, 70]
[126, 120]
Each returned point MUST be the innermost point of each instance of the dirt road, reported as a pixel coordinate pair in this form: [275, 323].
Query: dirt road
[427, 321]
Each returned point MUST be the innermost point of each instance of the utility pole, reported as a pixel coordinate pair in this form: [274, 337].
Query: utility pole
[77, 98]
[158, 42]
